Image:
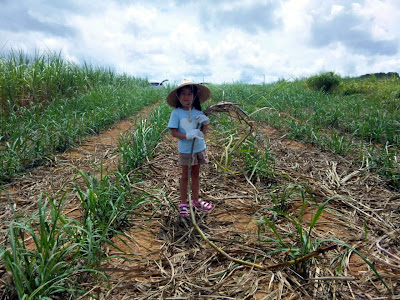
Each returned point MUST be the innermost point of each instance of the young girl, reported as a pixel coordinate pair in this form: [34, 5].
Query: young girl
[187, 122]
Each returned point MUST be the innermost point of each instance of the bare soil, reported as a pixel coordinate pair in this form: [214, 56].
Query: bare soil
[172, 261]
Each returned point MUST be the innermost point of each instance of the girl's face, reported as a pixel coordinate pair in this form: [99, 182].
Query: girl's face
[186, 96]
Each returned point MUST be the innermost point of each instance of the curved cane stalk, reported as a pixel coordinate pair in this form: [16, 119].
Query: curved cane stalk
[223, 107]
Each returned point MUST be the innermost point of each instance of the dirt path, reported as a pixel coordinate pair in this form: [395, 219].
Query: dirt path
[171, 259]
[24, 191]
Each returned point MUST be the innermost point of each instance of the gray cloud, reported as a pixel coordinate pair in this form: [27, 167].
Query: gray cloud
[249, 19]
[19, 18]
[136, 29]
[202, 59]
[345, 28]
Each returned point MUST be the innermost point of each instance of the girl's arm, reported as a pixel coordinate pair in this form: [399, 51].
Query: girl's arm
[175, 133]
[204, 129]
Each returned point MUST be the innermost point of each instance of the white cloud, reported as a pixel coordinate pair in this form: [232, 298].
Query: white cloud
[215, 41]
[382, 17]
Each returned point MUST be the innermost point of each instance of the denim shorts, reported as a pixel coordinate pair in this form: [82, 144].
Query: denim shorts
[199, 158]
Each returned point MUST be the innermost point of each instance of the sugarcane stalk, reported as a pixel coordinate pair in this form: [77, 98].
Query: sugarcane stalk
[196, 226]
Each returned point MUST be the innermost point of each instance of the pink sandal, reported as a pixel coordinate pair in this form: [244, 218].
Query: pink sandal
[183, 210]
[203, 205]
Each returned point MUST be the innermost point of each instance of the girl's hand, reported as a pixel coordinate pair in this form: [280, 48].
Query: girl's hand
[194, 133]
[202, 119]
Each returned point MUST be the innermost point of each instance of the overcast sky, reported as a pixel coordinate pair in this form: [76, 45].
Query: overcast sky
[213, 41]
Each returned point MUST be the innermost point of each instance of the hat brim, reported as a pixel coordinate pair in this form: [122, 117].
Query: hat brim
[203, 92]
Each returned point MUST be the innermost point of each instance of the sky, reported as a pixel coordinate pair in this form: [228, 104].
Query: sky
[218, 41]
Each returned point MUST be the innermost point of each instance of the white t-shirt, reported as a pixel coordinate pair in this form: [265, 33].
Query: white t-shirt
[180, 119]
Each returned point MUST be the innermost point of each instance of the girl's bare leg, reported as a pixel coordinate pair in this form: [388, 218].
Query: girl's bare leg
[183, 185]
[195, 182]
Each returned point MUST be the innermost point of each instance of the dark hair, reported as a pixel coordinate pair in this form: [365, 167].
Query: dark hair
[196, 101]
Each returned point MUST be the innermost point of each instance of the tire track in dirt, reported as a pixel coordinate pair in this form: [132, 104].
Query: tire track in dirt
[24, 191]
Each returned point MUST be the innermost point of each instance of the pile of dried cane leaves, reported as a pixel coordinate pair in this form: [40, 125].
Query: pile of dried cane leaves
[173, 261]
[240, 257]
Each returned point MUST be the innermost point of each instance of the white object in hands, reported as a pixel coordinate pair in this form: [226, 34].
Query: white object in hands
[202, 119]
[188, 125]
[194, 133]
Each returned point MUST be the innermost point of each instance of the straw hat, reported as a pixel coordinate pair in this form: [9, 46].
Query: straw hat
[203, 93]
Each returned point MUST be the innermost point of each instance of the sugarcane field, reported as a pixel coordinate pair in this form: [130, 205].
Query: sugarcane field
[303, 178]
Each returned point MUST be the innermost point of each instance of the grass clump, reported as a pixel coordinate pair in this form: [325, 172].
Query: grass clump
[304, 241]
[137, 145]
[325, 82]
[258, 163]
[43, 257]
[107, 201]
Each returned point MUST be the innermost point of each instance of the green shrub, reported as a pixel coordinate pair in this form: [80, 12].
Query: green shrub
[325, 82]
